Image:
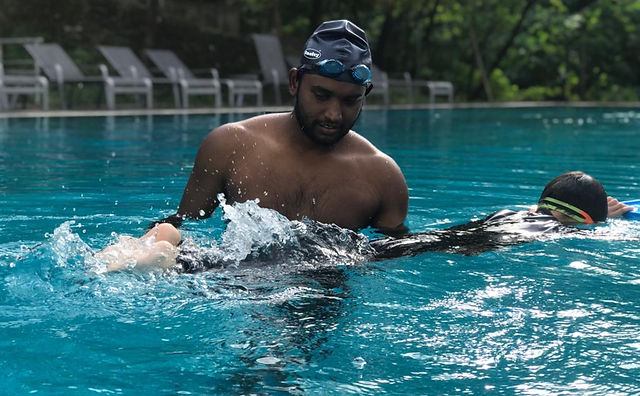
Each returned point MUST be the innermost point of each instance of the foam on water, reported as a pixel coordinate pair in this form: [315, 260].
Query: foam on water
[257, 248]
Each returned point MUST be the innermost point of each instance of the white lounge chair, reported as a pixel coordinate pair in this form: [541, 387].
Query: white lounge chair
[57, 66]
[180, 75]
[440, 88]
[13, 85]
[382, 85]
[134, 77]
[380, 81]
[272, 62]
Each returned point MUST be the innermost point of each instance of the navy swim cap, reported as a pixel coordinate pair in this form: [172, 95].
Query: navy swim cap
[339, 40]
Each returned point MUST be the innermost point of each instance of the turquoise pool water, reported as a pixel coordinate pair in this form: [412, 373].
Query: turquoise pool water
[554, 317]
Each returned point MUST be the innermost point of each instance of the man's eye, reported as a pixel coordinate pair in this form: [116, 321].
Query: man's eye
[321, 96]
[352, 100]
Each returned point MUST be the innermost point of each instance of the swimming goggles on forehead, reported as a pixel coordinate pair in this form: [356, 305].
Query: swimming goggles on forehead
[332, 68]
[566, 209]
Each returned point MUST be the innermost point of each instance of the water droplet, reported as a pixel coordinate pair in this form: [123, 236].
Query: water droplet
[359, 363]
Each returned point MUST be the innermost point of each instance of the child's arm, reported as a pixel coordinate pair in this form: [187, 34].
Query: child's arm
[156, 249]
[617, 208]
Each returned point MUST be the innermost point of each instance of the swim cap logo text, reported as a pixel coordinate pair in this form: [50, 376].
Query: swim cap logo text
[311, 53]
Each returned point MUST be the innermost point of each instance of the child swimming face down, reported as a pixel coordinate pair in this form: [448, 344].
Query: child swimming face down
[574, 198]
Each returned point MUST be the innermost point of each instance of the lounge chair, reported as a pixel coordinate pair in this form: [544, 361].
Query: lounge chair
[380, 80]
[435, 88]
[57, 66]
[180, 75]
[272, 62]
[382, 84]
[13, 85]
[134, 76]
[440, 88]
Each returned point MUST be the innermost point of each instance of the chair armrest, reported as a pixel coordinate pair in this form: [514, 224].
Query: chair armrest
[105, 75]
[59, 73]
[104, 70]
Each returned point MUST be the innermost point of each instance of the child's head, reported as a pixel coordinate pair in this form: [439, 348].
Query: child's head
[575, 197]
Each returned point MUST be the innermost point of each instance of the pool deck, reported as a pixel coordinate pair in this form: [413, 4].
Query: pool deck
[271, 109]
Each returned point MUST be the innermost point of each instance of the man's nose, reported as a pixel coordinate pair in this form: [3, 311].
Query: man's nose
[333, 110]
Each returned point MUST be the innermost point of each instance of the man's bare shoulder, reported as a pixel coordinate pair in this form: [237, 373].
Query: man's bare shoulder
[265, 124]
[246, 131]
[378, 165]
[361, 147]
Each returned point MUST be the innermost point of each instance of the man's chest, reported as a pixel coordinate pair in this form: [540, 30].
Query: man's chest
[337, 194]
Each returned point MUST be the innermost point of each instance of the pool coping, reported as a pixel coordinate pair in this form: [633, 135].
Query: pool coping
[271, 109]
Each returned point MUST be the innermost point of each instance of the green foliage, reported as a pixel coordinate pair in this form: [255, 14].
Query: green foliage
[530, 49]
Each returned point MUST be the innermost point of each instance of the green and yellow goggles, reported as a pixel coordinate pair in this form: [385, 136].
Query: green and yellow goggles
[566, 209]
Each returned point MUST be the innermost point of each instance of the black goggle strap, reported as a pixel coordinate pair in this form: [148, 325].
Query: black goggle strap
[566, 209]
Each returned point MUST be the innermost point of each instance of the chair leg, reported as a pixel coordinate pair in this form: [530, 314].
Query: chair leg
[176, 95]
[110, 97]
[45, 94]
[63, 100]
[231, 97]
[185, 99]
[218, 98]
[149, 99]
[276, 90]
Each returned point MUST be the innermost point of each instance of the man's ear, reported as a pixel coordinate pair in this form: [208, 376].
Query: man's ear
[293, 81]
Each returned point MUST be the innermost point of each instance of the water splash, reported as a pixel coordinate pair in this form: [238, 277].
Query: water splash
[259, 236]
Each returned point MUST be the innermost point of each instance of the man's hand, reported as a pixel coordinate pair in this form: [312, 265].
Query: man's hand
[617, 208]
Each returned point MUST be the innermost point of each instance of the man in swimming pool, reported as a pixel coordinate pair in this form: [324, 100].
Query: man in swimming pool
[307, 163]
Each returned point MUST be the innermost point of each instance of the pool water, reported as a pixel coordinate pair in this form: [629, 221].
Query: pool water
[555, 317]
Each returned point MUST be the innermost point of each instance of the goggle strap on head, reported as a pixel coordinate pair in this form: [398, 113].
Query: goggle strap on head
[566, 209]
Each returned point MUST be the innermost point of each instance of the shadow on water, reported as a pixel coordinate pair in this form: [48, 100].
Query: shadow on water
[290, 338]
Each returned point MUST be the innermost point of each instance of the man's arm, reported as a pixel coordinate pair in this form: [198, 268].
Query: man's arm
[394, 199]
[207, 178]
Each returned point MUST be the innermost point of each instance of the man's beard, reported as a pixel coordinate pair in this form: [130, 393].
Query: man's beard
[307, 126]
